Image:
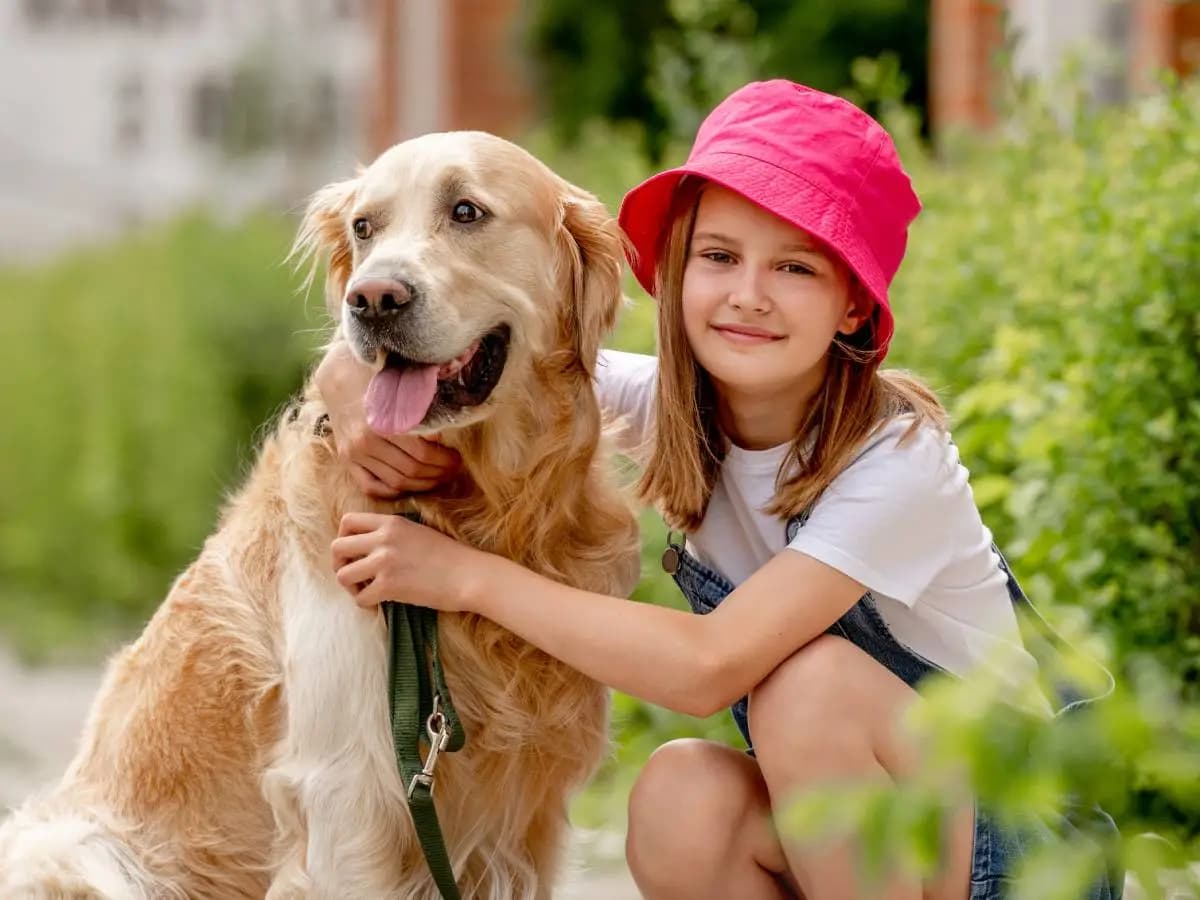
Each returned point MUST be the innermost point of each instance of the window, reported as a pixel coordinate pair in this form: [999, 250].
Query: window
[111, 12]
[125, 11]
[210, 110]
[41, 12]
[1111, 81]
[131, 113]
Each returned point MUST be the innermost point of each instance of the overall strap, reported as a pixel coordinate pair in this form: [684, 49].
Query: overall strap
[1049, 637]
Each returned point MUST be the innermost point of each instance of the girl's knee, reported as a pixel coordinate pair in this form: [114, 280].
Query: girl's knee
[806, 703]
[810, 682]
[684, 812]
[829, 711]
[682, 786]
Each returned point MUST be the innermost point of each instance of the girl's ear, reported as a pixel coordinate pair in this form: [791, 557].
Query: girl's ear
[859, 308]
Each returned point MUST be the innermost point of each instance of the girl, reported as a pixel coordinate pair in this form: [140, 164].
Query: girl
[833, 545]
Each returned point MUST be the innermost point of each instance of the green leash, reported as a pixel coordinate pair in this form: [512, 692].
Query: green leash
[417, 705]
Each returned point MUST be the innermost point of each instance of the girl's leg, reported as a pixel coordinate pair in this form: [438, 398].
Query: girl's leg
[699, 827]
[830, 712]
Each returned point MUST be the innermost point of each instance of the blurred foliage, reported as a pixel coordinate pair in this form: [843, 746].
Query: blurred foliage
[1067, 256]
[1039, 777]
[136, 377]
[660, 65]
[1052, 292]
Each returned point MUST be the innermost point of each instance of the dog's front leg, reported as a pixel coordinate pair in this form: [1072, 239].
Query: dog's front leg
[335, 791]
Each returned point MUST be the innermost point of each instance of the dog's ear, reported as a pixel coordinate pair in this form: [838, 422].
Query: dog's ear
[591, 253]
[324, 237]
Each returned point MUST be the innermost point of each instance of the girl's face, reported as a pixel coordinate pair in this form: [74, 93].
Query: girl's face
[762, 301]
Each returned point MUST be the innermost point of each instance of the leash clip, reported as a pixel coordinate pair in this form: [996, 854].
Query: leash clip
[439, 736]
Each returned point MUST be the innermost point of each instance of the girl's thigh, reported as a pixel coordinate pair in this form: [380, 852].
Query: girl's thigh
[832, 713]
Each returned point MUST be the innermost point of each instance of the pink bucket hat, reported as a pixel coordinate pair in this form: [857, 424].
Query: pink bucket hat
[814, 160]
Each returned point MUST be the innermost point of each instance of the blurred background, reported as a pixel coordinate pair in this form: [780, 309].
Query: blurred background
[154, 155]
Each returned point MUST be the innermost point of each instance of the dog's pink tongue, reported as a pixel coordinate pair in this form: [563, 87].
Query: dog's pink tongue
[398, 399]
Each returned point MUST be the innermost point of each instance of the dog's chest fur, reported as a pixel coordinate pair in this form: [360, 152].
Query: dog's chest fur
[536, 728]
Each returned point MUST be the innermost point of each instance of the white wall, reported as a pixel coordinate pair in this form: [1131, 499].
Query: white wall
[65, 174]
[1094, 33]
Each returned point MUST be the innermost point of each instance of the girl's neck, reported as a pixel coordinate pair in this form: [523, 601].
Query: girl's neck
[759, 420]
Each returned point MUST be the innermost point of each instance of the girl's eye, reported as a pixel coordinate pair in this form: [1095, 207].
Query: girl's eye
[717, 256]
[465, 212]
[362, 229]
[797, 269]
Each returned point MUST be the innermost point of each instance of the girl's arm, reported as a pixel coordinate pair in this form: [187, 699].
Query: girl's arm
[688, 663]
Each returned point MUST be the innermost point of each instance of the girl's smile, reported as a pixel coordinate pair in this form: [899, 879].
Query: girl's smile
[745, 335]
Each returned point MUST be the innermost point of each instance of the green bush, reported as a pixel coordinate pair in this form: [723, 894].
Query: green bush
[1053, 290]
[658, 66]
[1025, 771]
[136, 377]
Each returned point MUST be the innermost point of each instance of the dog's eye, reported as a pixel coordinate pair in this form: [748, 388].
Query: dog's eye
[465, 212]
[362, 229]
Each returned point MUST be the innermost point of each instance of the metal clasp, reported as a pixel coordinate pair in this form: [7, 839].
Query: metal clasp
[438, 730]
[671, 556]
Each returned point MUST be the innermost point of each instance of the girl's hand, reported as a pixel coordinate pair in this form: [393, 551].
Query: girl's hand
[382, 557]
[382, 467]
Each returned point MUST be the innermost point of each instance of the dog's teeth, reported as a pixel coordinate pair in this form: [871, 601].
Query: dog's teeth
[450, 369]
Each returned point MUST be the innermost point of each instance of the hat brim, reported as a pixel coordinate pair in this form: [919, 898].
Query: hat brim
[643, 217]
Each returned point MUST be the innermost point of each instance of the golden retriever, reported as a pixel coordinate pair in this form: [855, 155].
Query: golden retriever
[240, 747]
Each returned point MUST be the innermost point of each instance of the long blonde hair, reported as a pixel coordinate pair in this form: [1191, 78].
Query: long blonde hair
[688, 446]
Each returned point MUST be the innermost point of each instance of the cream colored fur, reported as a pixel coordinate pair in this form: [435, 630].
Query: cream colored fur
[240, 746]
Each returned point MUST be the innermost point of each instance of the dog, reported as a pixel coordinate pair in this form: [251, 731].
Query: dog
[240, 747]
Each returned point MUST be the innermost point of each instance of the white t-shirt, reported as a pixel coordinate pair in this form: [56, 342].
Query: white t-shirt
[900, 519]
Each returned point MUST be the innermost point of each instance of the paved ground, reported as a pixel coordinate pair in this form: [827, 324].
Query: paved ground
[41, 715]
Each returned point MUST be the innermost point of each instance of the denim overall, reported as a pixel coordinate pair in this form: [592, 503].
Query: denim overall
[996, 850]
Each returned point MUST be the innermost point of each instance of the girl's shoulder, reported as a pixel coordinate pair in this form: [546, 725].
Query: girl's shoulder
[898, 514]
[625, 382]
[625, 388]
[905, 455]
[621, 365]
[906, 436]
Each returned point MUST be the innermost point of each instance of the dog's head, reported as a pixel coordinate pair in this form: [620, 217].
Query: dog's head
[455, 262]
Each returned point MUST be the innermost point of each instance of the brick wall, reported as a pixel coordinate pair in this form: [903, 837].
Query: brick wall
[445, 64]
[1166, 34]
[488, 85]
[381, 93]
[965, 34]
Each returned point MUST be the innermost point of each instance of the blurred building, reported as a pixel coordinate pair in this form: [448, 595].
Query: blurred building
[123, 112]
[1117, 47]
[459, 65]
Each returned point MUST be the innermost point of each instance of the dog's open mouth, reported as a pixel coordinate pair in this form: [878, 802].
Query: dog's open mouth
[406, 393]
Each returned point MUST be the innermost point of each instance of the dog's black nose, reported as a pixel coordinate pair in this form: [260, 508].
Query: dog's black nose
[375, 298]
